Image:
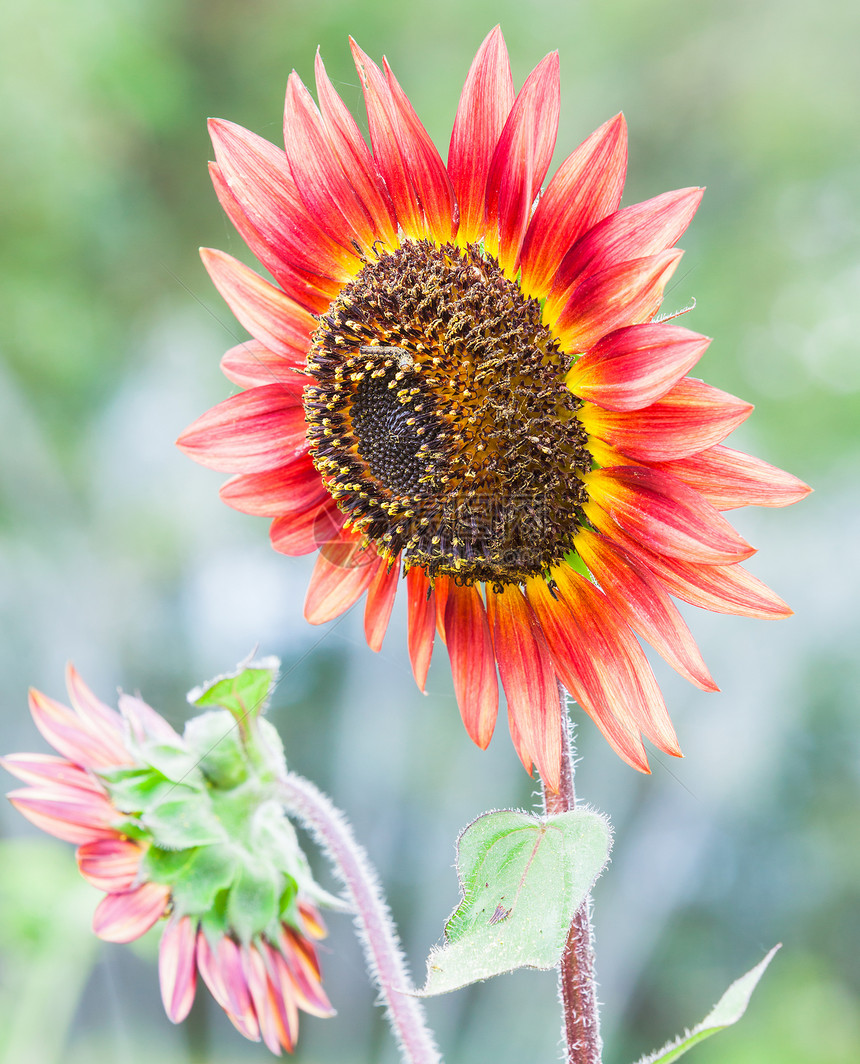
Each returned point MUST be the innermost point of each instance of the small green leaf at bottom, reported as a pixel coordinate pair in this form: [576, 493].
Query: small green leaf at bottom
[522, 878]
[728, 1010]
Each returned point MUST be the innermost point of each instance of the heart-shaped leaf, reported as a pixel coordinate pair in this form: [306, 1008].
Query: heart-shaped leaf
[522, 879]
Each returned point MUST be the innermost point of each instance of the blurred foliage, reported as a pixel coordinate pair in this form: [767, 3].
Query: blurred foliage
[115, 550]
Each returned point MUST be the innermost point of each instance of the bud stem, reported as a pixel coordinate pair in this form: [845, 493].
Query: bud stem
[376, 930]
[577, 986]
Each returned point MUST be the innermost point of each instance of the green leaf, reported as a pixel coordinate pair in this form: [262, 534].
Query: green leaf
[245, 692]
[728, 1010]
[522, 878]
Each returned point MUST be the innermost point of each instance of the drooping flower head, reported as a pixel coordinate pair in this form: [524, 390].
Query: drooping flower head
[187, 828]
[459, 378]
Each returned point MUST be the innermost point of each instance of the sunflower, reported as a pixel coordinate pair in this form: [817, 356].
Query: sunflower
[459, 378]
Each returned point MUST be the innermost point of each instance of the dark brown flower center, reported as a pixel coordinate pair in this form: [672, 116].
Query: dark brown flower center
[439, 418]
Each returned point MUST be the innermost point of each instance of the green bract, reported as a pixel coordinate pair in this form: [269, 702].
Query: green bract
[207, 807]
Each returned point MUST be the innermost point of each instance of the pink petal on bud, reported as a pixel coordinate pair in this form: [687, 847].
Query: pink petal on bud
[272, 1028]
[68, 813]
[46, 770]
[99, 718]
[125, 917]
[313, 921]
[73, 737]
[177, 973]
[110, 864]
[145, 723]
[282, 991]
[222, 972]
[300, 960]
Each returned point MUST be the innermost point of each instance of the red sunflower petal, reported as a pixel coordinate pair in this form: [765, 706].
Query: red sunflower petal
[633, 367]
[306, 530]
[406, 156]
[268, 315]
[440, 590]
[288, 489]
[426, 170]
[719, 588]
[689, 418]
[309, 290]
[422, 623]
[380, 601]
[473, 664]
[253, 432]
[323, 184]
[643, 603]
[529, 680]
[633, 233]
[520, 163]
[624, 294]
[585, 189]
[729, 478]
[578, 656]
[629, 666]
[663, 514]
[350, 147]
[258, 175]
[251, 364]
[485, 104]
[341, 575]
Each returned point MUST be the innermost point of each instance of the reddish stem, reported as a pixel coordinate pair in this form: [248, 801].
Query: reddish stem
[377, 934]
[577, 987]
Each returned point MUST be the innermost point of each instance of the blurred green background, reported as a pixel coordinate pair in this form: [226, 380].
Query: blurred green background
[116, 553]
